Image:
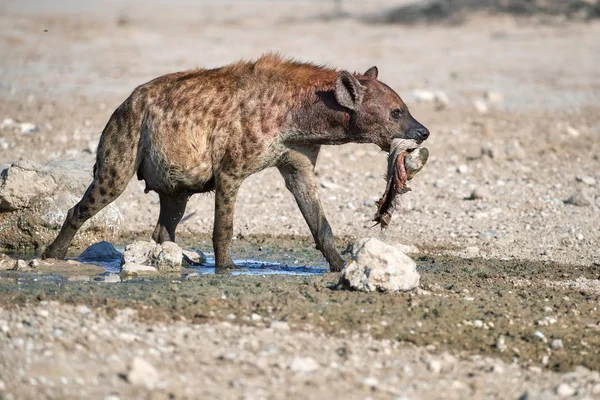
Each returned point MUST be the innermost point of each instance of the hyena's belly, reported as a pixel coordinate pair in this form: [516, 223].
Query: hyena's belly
[173, 165]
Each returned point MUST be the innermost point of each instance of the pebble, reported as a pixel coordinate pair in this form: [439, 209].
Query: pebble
[142, 373]
[279, 326]
[303, 365]
[556, 344]
[255, 317]
[588, 180]
[501, 344]
[370, 382]
[580, 199]
[479, 193]
[20, 265]
[83, 310]
[480, 106]
[471, 251]
[494, 97]
[434, 366]
[565, 390]
[27, 127]
[462, 169]
[133, 268]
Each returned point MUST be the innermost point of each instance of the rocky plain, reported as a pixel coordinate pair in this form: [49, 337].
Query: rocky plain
[503, 223]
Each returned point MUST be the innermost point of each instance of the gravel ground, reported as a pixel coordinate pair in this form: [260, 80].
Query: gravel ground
[97, 356]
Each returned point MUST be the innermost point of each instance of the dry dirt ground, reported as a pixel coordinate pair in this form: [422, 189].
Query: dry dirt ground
[484, 325]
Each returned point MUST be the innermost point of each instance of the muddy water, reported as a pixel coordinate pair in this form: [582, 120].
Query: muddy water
[506, 308]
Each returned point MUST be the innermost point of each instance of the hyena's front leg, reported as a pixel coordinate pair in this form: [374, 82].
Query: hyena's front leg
[298, 173]
[226, 189]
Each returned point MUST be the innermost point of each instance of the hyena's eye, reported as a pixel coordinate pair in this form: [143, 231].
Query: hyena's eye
[395, 114]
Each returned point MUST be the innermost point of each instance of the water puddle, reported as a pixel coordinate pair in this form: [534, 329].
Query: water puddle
[112, 269]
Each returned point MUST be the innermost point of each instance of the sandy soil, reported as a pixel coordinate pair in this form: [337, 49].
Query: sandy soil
[66, 67]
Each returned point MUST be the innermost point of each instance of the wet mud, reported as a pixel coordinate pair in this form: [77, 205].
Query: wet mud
[509, 308]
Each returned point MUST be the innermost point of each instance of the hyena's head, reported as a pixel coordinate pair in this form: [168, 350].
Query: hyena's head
[377, 114]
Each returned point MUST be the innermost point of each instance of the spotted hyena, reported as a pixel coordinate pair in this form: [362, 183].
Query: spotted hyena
[209, 129]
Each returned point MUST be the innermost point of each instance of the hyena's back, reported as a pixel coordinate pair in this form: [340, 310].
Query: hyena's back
[186, 125]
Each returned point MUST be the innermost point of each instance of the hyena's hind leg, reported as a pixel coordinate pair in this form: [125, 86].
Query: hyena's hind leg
[172, 209]
[116, 163]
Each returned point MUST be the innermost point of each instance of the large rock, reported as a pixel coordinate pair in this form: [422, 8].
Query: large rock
[378, 266]
[35, 199]
[164, 257]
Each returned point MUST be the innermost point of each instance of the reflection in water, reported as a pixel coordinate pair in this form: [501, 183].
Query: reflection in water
[247, 267]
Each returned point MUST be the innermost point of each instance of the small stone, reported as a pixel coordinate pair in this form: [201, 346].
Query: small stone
[462, 169]
[142, 373]
[279, 326]
[27, 127]
[480, 106]
[588, 180]
[479, 193]
[471, 252]
[303, 365]
[370, 382]
[494, 97]
[83, 310]
[20, 265]
[92, 145]
[580, 199]
[556, 344]
[478, 323]
[565, 390]
[255, 317]
[514, 151]
[34, 263]
[501, 344]
[193, 257]
[434, 366]
[540, 335]
[572, 131]
[423, 96]
[101, 251]
[135, 269]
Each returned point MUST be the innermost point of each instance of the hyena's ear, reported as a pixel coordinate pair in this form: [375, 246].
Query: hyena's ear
[372, 72]
[348, 90]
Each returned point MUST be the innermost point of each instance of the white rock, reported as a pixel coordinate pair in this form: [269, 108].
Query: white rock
[27, 127]
[255, 317]
[565, 390]
[279, 326]
[494, 97]
[370, 381]
[556, 344]
[303, 365]
[142, 373]
[83, 310]
[480, 193]
[423, 95]
[170, 257]
[462, 169]
[480, 106]
[376, 265]
[167, 256]
[572, 131]
[134, 269]
[580, 198]
[588, 180]
[471, 251]
[434, 366]
[101, 251]
[193, 257]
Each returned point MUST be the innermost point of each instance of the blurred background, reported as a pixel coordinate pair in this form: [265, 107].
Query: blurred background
[509, 89]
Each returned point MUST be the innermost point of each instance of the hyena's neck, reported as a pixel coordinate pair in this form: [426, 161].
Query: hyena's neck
[319, 119]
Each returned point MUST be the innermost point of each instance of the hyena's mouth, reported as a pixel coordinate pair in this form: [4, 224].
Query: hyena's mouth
[405, 160]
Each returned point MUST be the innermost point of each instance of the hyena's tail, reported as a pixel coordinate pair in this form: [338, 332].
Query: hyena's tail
[117, 159]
